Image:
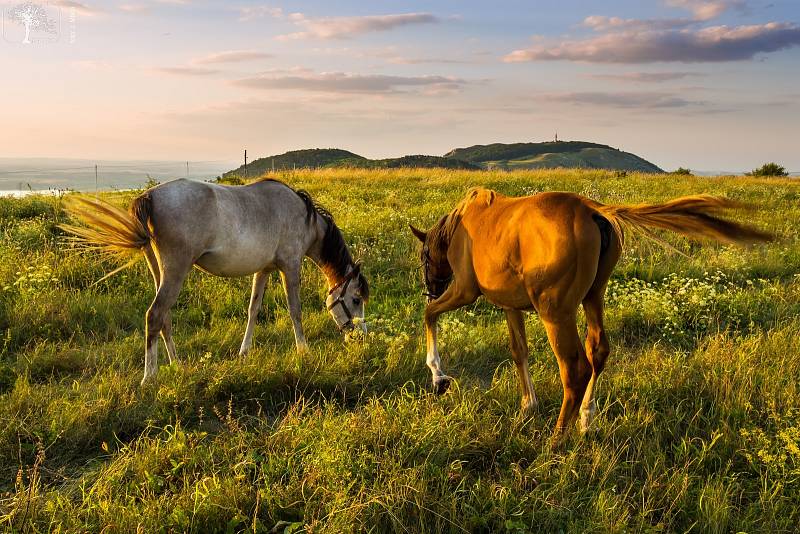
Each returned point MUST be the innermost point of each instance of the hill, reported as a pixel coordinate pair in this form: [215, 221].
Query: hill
[316, 158]
[568, 154]
[311, 158]
[500, 156]
[414, 162]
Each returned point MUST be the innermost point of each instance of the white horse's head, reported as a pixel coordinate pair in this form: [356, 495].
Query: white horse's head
[346, 301]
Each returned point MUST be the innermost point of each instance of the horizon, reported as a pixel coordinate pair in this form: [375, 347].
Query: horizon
[706, 84]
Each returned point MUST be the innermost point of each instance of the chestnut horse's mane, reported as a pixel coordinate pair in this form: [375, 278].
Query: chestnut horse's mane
[442, 232]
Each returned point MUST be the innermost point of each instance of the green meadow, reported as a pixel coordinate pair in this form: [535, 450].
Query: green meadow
[698, 427]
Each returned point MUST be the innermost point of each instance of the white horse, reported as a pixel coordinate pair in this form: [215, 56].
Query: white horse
[227, 231]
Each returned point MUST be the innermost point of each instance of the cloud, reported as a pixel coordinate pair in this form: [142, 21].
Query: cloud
[135, 8]
[231, 56]
[256, 12]
[79, 7]
[712, 44]
[185, 71]
[646, 77]
[600, 23]
[340, 82]
[92, 65]
[400, 60]
[644, 100]
[346, 27]
[704, 10]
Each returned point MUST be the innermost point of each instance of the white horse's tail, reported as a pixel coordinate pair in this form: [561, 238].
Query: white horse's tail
[109, 230]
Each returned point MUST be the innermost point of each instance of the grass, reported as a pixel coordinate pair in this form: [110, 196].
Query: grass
[698, 429]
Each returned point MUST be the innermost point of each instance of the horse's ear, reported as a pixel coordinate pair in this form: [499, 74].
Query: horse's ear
[418, 233]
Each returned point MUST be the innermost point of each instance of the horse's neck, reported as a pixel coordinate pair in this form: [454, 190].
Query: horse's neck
[315, 254]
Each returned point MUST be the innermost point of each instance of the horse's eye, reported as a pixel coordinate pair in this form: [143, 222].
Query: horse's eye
[356, 301]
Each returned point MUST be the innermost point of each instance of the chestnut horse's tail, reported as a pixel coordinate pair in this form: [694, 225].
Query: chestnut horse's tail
[696, 217]
[109, 230]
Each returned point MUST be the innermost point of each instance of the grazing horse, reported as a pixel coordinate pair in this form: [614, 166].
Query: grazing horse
[226, 231]
[550, 253]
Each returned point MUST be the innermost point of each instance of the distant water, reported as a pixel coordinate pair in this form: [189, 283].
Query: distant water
[19, 176]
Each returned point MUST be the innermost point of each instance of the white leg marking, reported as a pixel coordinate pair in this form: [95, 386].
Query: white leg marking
[440, 380]
[529, 402]
[150, 362]
[588, 407]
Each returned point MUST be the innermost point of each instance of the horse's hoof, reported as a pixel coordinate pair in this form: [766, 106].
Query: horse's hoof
[148, 380]
[586, 421]
[529, 409]
[559, 439]
[441, 384]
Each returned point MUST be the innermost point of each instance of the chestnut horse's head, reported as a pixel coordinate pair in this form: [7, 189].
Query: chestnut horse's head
[437, 273]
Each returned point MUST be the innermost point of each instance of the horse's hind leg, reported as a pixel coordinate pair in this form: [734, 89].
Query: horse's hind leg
[597, 347]
[256, 298]
[166, 335]
[576, 372]
[166, 331]
[519, 351]
[173, 273]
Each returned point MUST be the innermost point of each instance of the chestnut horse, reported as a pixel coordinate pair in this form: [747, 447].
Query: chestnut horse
[550, 253]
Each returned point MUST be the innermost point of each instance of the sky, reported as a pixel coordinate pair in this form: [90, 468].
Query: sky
[703, 84]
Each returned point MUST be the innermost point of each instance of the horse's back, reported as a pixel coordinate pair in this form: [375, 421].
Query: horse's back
[178, 211]
[227, 230]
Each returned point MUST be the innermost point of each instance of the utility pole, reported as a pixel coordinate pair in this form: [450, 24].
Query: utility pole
[95, 178]
[187, 169]
[245, 163]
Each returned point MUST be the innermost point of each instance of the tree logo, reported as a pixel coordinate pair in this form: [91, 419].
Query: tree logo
[30, 22]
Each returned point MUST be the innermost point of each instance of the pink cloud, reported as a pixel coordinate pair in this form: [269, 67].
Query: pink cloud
[704, 10]
[712, 44]
[340, 82]
[346, 27]
[231, 56]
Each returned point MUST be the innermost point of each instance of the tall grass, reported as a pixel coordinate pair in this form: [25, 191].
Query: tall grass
[698, 429]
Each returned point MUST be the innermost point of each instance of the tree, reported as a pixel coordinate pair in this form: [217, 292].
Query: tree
[769, 169]
[682, 171]
[33, 17]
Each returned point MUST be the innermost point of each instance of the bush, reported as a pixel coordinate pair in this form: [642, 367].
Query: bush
[682, 172]
[231, 179]
[769, 169]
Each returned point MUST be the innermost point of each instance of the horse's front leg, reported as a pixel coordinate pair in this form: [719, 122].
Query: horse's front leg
[256, 298]
[291, 285]
[451, 299]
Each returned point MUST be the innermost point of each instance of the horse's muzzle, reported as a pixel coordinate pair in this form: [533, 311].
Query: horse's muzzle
[357, 329]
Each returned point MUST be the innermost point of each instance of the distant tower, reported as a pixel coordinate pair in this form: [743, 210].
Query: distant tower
[556, 136]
